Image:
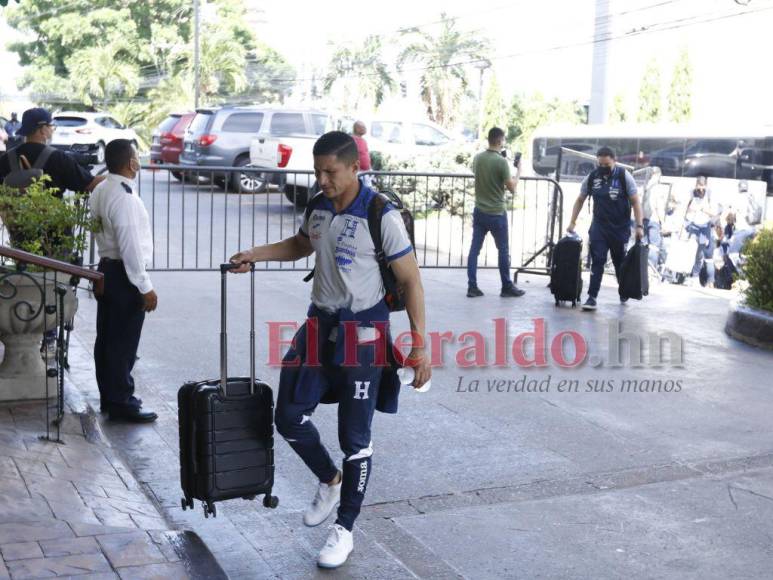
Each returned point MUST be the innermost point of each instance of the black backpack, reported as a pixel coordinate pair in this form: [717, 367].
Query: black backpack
[20, 177]
[394, 295]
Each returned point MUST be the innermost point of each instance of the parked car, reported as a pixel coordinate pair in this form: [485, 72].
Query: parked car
[167, 140]
[85, 135]
[220, 137]
[288, 144]
[285, 141]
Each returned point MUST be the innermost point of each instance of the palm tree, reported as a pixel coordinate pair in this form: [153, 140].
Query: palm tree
[98, 73]
[222, 64]
[361, 75]
[444, 60]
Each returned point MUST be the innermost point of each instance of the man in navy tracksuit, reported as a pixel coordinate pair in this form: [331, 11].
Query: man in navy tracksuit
[614, 194]
[346, 320]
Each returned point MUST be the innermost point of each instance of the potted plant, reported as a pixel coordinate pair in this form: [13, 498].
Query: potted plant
[751, 317]
[38, 222]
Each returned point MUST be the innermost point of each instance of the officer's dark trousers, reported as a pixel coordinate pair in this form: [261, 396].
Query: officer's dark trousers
[602, 244]
[356, 388]
[119, 325]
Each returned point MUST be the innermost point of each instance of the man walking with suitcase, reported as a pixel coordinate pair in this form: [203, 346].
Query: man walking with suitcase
[613, 191]
[125, 248]
[347, 297]
[492, 176]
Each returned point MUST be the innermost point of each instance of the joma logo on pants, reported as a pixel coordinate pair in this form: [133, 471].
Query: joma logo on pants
[361, 389]
[363, 476]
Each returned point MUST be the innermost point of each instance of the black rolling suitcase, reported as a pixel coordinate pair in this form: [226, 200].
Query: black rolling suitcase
[227, 429]
[634, 271]
[566, 270]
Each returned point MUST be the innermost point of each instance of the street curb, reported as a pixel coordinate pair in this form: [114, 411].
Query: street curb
[749, 325]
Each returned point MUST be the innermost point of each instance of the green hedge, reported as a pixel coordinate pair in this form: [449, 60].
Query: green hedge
[759, 271]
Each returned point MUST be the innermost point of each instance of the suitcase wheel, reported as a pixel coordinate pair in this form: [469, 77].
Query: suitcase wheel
[270, 501]
[186, 503]
[209, 508]
[248, 497]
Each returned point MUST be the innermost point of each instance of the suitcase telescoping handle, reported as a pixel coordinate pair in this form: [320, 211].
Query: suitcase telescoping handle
[224, 269]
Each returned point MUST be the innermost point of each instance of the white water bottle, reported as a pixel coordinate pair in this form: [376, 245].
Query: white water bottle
[406, 376]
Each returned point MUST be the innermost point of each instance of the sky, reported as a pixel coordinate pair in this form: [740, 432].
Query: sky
[547, 45]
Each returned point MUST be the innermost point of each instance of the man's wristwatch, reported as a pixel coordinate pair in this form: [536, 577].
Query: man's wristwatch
[639, 226]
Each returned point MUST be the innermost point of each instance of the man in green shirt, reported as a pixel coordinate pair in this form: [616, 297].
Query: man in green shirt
[492, 176]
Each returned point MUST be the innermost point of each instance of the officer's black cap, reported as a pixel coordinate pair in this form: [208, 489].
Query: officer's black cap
[605, 152]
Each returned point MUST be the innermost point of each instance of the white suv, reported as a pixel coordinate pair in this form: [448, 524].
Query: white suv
[86, 134]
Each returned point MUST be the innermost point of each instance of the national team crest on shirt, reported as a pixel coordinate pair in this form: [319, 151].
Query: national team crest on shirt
[346, 248]
[350, 229]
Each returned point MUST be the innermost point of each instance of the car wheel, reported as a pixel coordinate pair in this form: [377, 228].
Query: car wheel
[249, 182]
[100, 153]
[298, 195]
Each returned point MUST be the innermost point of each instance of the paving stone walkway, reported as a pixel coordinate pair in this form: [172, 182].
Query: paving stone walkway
[73, 509]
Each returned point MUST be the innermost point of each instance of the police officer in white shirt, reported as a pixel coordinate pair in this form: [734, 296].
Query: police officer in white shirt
[125, 248]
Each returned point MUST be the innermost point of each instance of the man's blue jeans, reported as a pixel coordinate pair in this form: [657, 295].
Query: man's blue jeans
[483, 223]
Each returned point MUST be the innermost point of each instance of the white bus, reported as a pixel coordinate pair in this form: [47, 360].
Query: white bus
[679, 150]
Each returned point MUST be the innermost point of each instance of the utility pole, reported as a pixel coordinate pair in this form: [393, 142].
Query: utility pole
[481, 65]
[599, 99]
[196, 71]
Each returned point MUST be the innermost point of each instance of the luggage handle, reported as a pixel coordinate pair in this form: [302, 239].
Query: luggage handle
[224, 269]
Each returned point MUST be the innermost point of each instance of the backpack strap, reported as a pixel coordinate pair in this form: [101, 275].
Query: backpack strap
[313, 204]
[375, 211]
[624, 182]
[13, 160]
[40, 162]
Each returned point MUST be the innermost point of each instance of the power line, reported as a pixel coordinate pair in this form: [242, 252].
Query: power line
[650, 29]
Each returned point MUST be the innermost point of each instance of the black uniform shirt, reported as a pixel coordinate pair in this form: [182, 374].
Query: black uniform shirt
[65, 172]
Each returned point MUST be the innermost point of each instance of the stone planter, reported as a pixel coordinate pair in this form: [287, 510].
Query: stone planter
[750, 325]
[23, 319]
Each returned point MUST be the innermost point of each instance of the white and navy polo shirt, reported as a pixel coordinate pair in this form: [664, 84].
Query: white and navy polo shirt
[346, 273]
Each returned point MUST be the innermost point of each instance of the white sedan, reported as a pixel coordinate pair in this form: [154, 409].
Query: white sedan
[86, 134]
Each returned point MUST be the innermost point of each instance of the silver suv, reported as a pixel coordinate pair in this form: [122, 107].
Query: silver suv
[222, 136]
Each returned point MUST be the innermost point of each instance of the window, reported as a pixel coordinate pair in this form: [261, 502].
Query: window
[168, 124]
[428, 135]
[70, 121]
[387, 131]
[575, 162]
[243, 122]
[319, 124]
[199, 123]
[668, 154]
[113, 124]
[710, 157]
[287, 124]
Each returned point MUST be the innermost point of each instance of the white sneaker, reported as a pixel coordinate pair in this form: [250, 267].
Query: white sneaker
[336, 550]
[325, 501]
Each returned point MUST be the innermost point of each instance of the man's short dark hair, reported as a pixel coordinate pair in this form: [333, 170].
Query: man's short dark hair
[118, 153]
[495, 134]
[339, 144]
[605, 152]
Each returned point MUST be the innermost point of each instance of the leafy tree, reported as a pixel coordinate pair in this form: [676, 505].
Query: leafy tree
[494, 113]
[527, 113]
[649, 94]
[359, 76]
[101, 72]
[138, 55]
[680, 94]
[444, 59]
[618, 114]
